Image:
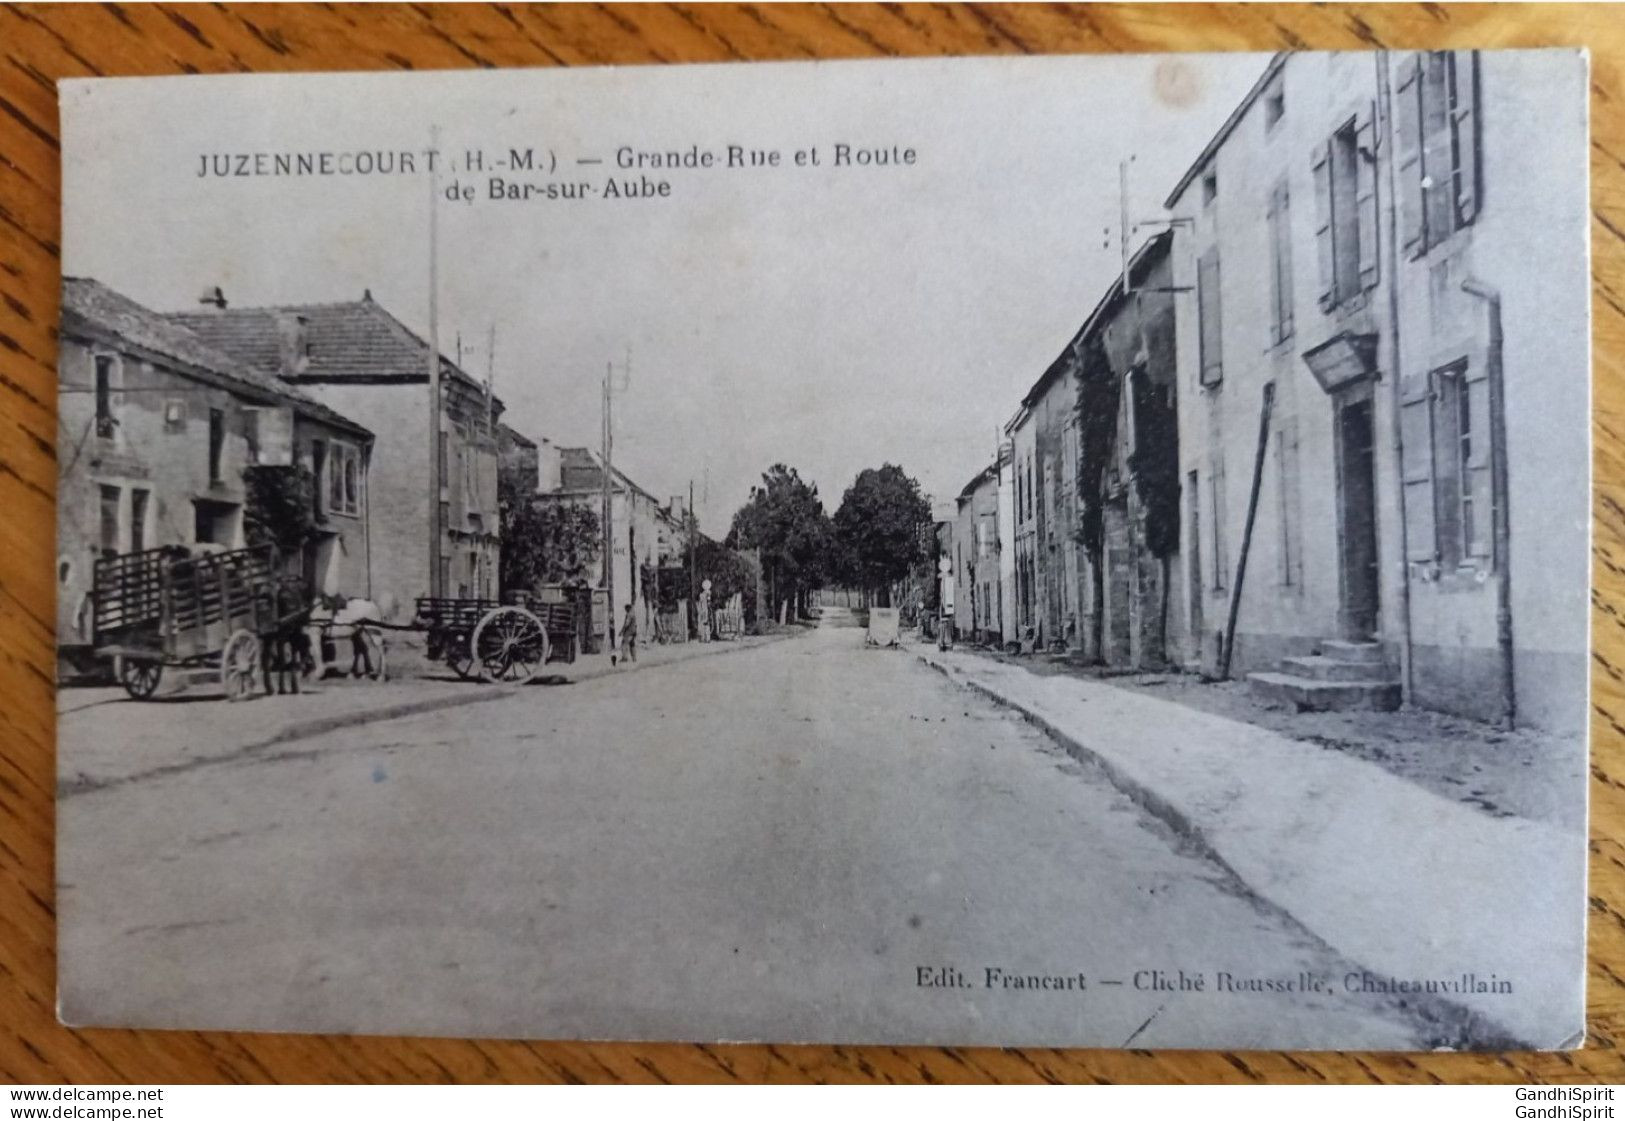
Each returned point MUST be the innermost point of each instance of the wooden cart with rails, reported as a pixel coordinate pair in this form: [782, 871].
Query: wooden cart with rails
[170, 609]
[496, 641]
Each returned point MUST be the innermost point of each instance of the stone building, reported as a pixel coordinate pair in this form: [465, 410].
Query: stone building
[158, 429]
[361, 360]
[642, 530]
[1044, 438]
[1342, 233]
[1124, 360]
[977, 591]
[1025, 626]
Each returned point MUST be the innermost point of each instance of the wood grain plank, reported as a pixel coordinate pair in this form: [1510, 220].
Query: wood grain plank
[41, 44]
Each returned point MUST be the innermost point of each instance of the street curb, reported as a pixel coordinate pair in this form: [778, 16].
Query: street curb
[1443, 1017]
[478, 693]
[485, 692]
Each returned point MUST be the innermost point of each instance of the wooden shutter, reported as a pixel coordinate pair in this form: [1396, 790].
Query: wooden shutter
[1289, 566]
[1365, 197]
[1408, 153]
[1478, 482]
[1416, 468]
[1280, 232]
[1321, 161]
[1209, 310]
[1438, 162]
[1464, 118]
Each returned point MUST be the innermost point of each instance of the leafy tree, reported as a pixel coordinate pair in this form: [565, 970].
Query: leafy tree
[785, 519]
[877, 528]
[544, 542]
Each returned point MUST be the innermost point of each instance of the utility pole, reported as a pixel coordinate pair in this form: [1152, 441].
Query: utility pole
[693, 560]
[609, 509]
[491, 383]
[435, 481]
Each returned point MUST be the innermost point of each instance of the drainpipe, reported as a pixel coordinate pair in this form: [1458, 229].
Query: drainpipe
[1498, 482]
[1396, 429]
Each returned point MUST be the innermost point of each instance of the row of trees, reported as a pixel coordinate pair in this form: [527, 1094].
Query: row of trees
[873, 540]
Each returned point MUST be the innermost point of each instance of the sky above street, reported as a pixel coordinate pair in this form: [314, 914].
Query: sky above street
[829, 317]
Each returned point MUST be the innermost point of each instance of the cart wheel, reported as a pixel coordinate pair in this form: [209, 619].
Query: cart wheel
[140, 679]
[240, 665]
[510, 644]
[460, 657]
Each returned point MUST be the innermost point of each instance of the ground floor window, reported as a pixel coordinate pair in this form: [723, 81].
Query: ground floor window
[216, 523]
[1460, 465]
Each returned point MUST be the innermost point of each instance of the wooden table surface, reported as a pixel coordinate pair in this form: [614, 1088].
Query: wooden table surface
[41, 44]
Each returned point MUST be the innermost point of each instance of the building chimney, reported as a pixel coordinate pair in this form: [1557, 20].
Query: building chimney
[293, 343]
[215, 296]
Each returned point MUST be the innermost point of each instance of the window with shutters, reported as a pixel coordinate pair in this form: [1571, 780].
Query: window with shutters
[1280, 231]
[1437, 146]
[1345, 173]
[109, 525]
[1274, 107]
[217, 444]
[251, 435]
[109, 373]
[1209, 315]
[1445, 464]
[1460, 466]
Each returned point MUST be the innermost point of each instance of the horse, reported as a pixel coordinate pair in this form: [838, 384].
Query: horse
[285, 648]
[355, 614]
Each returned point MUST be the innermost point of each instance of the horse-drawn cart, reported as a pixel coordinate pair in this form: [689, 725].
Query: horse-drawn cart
[167, 609]
[496, 641]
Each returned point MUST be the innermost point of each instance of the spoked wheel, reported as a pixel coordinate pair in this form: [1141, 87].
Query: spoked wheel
[140, 679]
[510, 644]
[240, 665]
[460, 656]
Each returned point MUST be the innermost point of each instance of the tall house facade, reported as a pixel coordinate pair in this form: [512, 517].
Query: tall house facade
[1028, 576]
[1481, 173]
[977, 593]
[1333, 236]
[1004, 505]
[362, 361]
[1128, 486]
[159, 433]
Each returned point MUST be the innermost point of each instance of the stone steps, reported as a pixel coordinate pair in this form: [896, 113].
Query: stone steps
[1306, 694]
[1344, 676]
[1318, 667]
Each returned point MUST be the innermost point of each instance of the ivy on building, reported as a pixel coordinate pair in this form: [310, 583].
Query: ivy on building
[279, 507]
[1154, 463]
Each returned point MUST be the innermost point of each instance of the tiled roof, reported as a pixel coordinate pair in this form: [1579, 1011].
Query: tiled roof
[99, 306]
[357, 339]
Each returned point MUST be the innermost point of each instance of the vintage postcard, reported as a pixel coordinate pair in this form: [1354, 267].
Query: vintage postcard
[1072, 551]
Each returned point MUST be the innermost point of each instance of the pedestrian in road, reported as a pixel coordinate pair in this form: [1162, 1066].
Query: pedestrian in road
[629, 635]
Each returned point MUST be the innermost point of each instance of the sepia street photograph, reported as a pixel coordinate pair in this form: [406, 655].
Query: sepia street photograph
[1049, 551]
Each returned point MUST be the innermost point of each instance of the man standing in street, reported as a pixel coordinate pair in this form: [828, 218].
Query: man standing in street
[629, 635]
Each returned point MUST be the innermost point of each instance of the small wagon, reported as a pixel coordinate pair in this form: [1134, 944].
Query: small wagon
[167, 609]
[495, 641]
